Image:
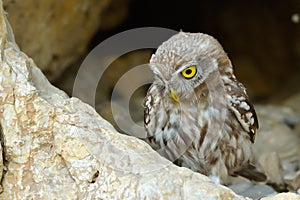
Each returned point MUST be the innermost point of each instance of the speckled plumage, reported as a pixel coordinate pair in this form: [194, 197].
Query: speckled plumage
[212, 127]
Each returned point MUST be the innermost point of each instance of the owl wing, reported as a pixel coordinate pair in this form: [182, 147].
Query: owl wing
[243, 110]
[148, 104]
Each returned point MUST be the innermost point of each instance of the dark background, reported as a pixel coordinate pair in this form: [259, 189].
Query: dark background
[260, 37]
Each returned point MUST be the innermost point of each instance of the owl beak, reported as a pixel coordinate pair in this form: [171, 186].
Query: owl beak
[174, 96]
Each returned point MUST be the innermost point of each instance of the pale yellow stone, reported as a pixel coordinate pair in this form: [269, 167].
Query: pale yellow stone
[62, 30]
[283, 196]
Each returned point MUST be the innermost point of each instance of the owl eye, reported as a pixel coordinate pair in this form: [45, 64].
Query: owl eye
[189, 72]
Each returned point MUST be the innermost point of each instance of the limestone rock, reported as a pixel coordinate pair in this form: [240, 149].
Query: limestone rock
[276, 134]
[1, 164]
[254, 191]
[285, 196]
[115, 13]
[272, 167]
[56, 33]
[277, 144]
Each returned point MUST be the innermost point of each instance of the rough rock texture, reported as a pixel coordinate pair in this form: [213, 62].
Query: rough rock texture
[271, 164]
[277, 132]
[283, 196]
[1, 165]
[61, 30]
[59, 146]
[277, 143]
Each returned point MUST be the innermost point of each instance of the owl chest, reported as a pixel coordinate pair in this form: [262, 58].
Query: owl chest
[181, 125]
[200, 137]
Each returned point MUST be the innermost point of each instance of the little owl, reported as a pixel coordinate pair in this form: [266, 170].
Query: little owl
[196, 111]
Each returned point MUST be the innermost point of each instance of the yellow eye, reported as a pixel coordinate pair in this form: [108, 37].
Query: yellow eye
[189, 72]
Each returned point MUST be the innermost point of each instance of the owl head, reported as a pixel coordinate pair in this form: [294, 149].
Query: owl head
[185, 62]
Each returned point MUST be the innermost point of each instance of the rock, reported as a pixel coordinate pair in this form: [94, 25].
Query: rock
[277, 144]
[285, 196]
[114, 14]
[293, 102]
[60, 146]
[293, 180]
[272, 167]
[251, 190]
[276, 134]
[56, 33]
[1, 161]
[258, 191]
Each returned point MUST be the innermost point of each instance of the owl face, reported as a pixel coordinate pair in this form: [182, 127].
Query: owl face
[182, 65]
[181, 83]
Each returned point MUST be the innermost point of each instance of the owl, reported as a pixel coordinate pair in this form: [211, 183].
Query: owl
[196, 113]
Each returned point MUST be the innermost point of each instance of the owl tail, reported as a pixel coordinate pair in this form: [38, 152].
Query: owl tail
[250, 172]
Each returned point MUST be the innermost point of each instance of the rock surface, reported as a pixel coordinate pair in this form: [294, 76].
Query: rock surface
[61, 30]
[283, 196]
[277, 132]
